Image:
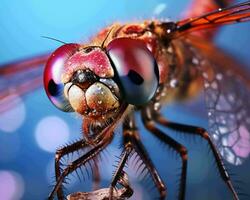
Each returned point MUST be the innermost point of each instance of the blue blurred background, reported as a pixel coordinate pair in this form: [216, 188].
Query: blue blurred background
[31, 131]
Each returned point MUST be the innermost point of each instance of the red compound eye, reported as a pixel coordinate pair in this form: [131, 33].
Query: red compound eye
[136, 69]
[52, 76]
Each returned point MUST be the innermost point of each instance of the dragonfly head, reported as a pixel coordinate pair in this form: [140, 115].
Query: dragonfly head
[95, 81]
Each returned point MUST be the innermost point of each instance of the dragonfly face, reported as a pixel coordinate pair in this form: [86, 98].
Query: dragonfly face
[93, 81]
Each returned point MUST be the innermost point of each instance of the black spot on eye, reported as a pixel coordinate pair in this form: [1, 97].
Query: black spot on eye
[156, 70]
[53, 88]
[135, 77]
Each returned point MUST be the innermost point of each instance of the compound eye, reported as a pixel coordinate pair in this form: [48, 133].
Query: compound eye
[136, 69]
[52, 76]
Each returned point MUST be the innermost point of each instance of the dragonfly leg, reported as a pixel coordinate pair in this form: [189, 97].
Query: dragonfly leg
[149, 123]
[96, 175]
[83, 160]
[132, 141]
[194, 130]
[62, 152]
[119, 173]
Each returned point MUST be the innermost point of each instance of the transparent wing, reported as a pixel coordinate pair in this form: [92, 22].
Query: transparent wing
[227, 95]
[230, 15]
[20, 78]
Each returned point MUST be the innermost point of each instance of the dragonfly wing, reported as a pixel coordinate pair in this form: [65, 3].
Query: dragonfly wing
[20, 78]
[227, 95]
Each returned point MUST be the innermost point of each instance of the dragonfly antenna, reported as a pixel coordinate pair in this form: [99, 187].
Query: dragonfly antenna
[106, 37]
[50, 38]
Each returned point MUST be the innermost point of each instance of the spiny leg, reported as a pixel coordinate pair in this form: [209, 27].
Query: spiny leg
[131, 138]
[204, 134]
[148, 122]
[119, 173]
[81, 144]
[90, 155]
[62, 152]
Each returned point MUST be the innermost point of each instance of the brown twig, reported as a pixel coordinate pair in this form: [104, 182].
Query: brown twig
[122, 193]
[101, 194]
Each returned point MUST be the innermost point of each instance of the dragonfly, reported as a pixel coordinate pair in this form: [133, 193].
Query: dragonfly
[106, 82]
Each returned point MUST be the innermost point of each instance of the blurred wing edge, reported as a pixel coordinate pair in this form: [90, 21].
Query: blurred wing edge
[20, 78]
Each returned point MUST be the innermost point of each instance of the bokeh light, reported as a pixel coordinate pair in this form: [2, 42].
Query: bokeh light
[51, 132]
[9, 116]
[11, 185]
[159, 9]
